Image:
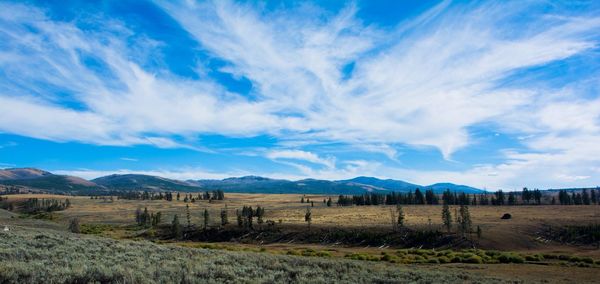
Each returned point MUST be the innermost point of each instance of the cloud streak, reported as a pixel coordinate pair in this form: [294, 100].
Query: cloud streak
[317, 77]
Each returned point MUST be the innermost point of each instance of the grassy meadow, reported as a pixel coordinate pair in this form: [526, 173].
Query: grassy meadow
[513, 250]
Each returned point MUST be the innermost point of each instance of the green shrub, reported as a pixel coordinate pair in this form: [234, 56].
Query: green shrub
[473, 259]
[510, 258]
[324, 254]
[37, 256]
[443, 259]
[534, 257]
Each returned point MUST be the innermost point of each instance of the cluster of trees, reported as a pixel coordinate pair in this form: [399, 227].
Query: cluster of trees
[147, 219]
[579, 198]
[246, 216]
[393, 198]
[36, 205]
[168, 196]
[245, 219]
[525, 197]
[464, 225]
[11, 189]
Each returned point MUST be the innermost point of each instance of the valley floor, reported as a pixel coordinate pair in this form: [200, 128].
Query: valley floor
[41, 250]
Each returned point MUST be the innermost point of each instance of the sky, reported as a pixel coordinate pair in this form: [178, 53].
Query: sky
[492, 94]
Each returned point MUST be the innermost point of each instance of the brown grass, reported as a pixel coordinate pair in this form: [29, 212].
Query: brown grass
[518, 233]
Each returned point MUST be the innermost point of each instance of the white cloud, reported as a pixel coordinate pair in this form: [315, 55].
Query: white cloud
[279, 155]
[422, 83]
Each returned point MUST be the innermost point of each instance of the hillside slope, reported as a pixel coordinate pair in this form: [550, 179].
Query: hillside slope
[143, 182]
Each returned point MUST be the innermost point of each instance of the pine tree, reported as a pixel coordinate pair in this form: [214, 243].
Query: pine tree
[224, 220]
[157, 219]
[308, 217]
[302, 199]
[145, 218]
[511, 198]
[138, 216]
[240, 219]
[178, 196]
[400, 214]
[74, 226]
[206, 218]
[329, 202]
[586, 197]
[479, 233]
[447, 217]
[188, 215]
[465, 219]
[176, 228]
[260, 213]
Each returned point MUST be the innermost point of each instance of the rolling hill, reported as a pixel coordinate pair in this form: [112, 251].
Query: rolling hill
[22, 173]
[358, 185]
[39, 180]
[45, 181]
[143, 182]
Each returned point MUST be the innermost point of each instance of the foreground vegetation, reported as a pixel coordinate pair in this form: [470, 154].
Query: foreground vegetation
[34, 256]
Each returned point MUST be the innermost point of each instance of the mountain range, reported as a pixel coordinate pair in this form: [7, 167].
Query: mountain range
[44, 181]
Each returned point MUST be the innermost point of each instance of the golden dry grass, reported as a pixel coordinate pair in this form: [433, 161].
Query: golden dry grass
[517, 233]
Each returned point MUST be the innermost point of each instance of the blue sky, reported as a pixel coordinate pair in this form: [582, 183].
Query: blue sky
[494, 94]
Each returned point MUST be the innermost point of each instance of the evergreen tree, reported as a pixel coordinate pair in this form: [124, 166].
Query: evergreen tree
[240, 219]
[329, 202]
[479, 233]
[400, 214]
[206, 218]
[224, 219]
[537, 195]
[526, 195]
[594, 197]
[447, 217]
[585, 197]
[157, 218]
[178, 196]
[138, 216]
[511, 198]
[74, 226]
[308, 217]
[260, 213]
[176, 228]
[188, 215]
[145, 218]
[419, 198]
[465, 219]
[302, 199]
[500, 197]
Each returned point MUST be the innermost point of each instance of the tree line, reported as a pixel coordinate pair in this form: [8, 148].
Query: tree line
[525, 197]
[168, 196]
[35, 205]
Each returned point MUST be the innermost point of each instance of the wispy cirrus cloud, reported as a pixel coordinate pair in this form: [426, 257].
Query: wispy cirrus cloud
[316, 77]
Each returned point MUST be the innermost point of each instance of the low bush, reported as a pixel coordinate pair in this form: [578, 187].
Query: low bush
[34, 256]
[509, 258]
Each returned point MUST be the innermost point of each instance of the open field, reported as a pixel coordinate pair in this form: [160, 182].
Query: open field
[519, 234]
[32, 255]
